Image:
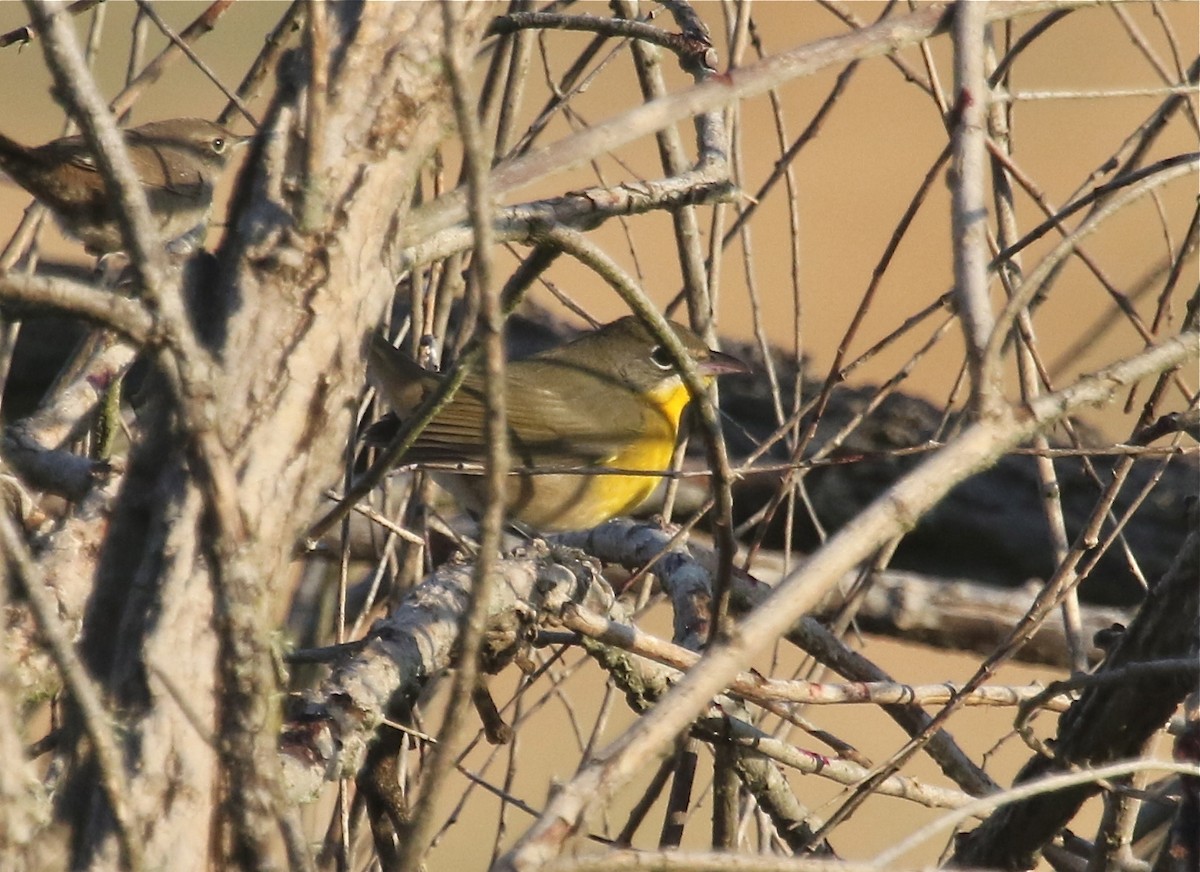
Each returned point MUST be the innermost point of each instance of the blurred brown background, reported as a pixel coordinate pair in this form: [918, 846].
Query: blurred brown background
[854, 181]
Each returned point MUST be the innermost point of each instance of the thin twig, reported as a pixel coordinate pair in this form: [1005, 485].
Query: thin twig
[27, 33]
[202, 25]
[1036, 279]
[179, 44]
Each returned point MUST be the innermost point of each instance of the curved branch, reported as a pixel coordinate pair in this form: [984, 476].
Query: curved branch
[103, 308]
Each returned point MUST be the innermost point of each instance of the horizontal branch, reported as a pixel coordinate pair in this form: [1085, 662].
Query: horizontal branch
[757, 688]
[624, 28]
[579, 210]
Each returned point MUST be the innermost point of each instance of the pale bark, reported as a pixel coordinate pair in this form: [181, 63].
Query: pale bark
[280, 393]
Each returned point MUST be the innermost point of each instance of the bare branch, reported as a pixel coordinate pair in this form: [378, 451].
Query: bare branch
[970, 211]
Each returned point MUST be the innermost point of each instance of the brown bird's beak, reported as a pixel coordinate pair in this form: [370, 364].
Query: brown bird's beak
[720, 363]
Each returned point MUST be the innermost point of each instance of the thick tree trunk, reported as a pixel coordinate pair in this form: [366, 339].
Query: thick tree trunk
[170, 616]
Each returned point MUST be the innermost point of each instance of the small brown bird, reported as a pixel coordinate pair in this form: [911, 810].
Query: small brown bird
[178, 162]
[611, 398]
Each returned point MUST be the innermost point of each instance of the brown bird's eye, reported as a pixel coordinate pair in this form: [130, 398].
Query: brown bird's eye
[661, 357]
[218, 144]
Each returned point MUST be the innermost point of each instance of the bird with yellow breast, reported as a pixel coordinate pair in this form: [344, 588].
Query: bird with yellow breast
[612, 398]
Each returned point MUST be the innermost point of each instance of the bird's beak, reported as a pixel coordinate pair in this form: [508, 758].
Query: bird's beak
[719, 363]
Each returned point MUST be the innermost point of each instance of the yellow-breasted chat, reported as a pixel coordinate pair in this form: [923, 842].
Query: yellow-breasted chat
[611, 398]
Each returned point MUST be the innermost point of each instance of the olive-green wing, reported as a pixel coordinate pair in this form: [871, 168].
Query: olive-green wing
[548, 425]
[563, 415]
[543, 428]
[455, 434]
[400, 379]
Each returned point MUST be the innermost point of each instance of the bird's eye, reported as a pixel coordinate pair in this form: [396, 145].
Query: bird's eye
[218, 144]
[661, 357]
